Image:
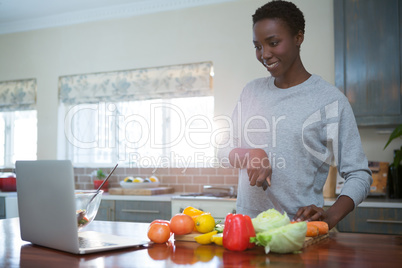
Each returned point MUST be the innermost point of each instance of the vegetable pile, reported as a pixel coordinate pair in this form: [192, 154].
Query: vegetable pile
[270, 229]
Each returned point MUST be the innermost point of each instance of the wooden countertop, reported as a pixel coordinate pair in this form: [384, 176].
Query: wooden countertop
[339, 250]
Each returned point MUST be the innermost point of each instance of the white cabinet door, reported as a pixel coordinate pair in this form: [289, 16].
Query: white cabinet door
[217, 207]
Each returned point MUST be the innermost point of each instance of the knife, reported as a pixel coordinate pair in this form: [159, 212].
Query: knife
[275, 202]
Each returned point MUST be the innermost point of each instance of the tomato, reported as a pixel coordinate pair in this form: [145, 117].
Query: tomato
[181, 224]
[161, 221]
[159, 232]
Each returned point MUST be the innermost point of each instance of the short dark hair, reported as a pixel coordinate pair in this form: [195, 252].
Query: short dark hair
[288, 12]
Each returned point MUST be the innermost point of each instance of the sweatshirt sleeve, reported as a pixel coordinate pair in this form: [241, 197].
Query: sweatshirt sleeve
[352, 162]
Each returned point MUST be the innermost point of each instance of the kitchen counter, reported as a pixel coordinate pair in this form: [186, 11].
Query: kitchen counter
[372, 202]
[369, 202]
[209, 198]
[8, 194]
[377, 202]
[339, 250]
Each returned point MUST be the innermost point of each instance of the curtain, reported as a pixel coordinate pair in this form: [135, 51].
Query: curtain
[18, 95]
[175, 81]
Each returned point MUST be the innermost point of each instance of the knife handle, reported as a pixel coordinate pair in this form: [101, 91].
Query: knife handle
[265, 185]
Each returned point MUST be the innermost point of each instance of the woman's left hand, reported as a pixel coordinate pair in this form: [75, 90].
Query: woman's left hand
[310, 213]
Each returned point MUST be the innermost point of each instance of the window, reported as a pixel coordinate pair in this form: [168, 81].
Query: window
[17, 118]
[15, 144]
[168, 125]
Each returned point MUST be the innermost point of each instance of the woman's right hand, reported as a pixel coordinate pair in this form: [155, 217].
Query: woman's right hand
[257, 163]
[259, 168]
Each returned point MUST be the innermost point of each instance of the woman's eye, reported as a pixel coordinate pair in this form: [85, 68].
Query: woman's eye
[275, 43]
[257, 47]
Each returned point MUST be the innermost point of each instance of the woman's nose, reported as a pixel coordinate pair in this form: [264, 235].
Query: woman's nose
[265, 54]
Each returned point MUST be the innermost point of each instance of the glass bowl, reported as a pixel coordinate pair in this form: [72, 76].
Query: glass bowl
[86, 210]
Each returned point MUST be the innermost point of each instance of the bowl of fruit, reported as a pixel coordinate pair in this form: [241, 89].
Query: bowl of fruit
[138, 182]
[87, 204]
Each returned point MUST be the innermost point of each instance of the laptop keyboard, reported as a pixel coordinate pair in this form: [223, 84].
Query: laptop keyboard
[90, 243]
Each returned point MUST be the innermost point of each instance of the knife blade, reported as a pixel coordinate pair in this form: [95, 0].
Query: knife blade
[273, 199]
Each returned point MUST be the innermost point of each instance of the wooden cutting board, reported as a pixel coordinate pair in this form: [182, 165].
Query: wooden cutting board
[144, 191]
[307, 242]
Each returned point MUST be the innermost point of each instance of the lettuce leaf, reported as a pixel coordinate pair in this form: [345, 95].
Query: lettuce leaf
[269, 219]
[285, 239]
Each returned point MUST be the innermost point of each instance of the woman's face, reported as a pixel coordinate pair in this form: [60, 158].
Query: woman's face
[276, 48]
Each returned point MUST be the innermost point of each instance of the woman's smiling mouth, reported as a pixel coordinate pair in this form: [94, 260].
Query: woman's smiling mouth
[270, 66]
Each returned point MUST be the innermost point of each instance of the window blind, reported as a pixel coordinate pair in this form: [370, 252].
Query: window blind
[174, 81]
[18, 95]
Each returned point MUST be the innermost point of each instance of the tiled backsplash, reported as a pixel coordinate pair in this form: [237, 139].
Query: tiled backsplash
[182, 180]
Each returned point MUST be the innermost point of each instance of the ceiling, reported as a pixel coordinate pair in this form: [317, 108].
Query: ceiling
[26, 15]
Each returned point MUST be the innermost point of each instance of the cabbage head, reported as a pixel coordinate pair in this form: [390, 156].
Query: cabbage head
[269, 219]
[285, 239]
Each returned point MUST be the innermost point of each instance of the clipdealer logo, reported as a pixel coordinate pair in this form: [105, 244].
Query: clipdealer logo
[330, 156]
[231, 132]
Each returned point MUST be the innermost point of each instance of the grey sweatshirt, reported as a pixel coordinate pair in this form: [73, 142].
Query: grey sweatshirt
[303, 129]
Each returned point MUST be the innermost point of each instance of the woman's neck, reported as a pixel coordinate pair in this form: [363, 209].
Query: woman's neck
[295, 76]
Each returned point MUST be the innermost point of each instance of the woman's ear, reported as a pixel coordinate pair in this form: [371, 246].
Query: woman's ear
[299, 38]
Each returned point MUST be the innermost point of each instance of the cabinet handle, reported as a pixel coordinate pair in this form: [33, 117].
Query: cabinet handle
[383, 221]
[109, 214]
[140, 211]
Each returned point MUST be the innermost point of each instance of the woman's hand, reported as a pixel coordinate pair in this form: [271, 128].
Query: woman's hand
[257, 163]
[311, 213]
[342, 206]
[258, 167]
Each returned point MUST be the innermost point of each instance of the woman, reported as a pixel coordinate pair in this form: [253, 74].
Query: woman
[289, 128]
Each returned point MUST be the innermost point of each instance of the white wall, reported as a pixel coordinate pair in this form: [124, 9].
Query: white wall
[221, 33]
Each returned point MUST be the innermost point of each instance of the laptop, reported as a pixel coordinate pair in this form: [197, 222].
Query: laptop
[47, 212]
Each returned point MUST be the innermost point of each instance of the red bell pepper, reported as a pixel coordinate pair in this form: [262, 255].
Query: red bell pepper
[237, 232]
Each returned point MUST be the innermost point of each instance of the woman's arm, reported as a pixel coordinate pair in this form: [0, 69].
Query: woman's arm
[342, 207]
[257, 163]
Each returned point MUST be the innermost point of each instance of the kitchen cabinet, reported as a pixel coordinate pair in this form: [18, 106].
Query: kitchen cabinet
[218, 208]
[372, 220]
[368, 57]
[8, 205]
[134, 208]
[2, 207]
[142, 211]
[106, 211]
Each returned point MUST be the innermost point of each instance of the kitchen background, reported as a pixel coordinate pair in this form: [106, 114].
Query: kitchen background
[220, 33]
